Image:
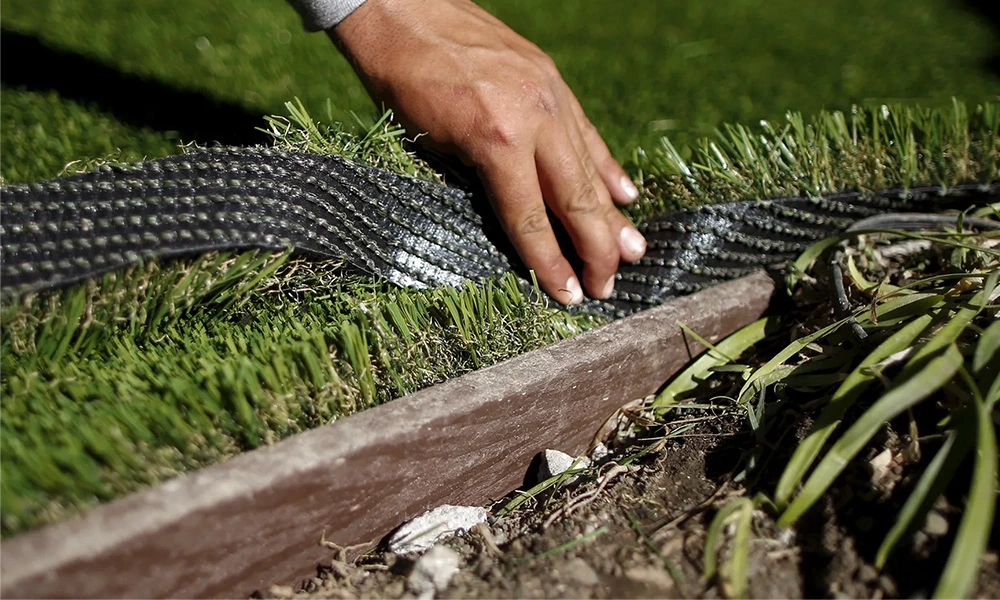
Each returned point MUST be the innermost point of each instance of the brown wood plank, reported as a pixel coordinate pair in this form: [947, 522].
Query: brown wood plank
[258, 518]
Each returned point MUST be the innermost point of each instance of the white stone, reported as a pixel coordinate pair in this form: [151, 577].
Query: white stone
[555, 462]
[935, 525]
[880, 465]
[599, 453]
[435, 525]
[433, 571]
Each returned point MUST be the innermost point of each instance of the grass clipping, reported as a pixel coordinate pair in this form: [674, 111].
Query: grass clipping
[118, 384]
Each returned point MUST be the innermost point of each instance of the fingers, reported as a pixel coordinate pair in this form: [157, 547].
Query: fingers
[631, 244]
[583, 210]
[517, 201]
[619, 184]
[499, 102]
[563, 175]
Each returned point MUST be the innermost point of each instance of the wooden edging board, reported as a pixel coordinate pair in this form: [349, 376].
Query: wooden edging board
[258, 518]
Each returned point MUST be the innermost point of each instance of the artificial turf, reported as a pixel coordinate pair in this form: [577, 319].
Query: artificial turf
[110, 388]
[114, 385]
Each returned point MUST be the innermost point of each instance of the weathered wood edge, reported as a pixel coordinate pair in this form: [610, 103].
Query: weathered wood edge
[258, 518]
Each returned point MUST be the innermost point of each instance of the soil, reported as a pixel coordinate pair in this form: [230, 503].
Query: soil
[643, 535]
[635, 525]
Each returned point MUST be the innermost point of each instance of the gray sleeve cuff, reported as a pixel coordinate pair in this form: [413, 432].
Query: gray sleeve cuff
[318, 15]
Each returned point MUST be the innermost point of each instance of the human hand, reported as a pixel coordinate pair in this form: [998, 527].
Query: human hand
[481, 91]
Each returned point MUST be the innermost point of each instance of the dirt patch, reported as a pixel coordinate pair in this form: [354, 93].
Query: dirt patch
[643, 534]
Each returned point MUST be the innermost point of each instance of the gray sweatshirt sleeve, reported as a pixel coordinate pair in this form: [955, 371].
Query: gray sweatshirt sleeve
[318, 15]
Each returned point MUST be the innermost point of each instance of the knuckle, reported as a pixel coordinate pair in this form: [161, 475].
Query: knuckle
[540, 58]
[548, 64]
[500, 130]
[494, 122]
[533, 222]
[540, 97]
[583, 199]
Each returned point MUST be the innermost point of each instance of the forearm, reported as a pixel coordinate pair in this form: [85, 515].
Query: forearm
[318, 15]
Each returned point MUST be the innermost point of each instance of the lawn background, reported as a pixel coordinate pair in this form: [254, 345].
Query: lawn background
[87, 79]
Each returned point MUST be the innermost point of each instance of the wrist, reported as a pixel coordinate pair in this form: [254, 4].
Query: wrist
[318, 15]
[359, 29]
[375, 39]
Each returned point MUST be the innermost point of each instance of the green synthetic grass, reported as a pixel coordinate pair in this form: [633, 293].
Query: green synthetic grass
[40, 133]
[111, 386]
[861, 149]
[641, 69]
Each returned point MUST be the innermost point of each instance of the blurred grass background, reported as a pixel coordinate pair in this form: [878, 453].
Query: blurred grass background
[132, 79]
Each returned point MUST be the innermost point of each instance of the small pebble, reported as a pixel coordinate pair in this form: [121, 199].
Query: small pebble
[599, 453]
[867, 573]
[579, 571]
[880, 465]
[433, 571]
[935, 525]
[434, 526]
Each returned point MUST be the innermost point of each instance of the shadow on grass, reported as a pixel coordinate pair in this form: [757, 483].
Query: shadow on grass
[989, 12]
[132, 99]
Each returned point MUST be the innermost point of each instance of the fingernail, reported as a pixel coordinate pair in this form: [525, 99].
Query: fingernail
[633, 241]
[574, 289]
[608, 287]
[629, 188]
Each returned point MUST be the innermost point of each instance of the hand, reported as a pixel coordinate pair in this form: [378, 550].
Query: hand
[481, 91]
